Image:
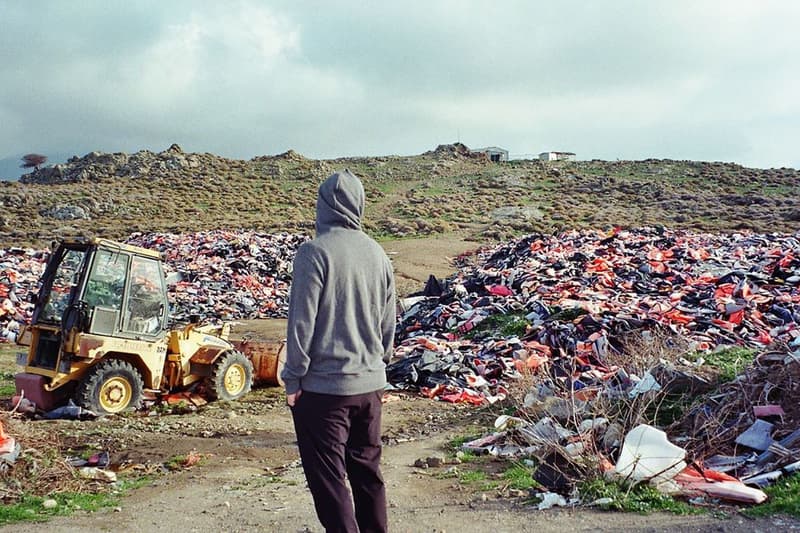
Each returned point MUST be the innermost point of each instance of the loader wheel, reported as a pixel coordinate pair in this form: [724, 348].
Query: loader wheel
[231, 378]
[110, 387]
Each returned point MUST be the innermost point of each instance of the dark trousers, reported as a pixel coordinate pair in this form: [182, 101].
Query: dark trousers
[340, 436]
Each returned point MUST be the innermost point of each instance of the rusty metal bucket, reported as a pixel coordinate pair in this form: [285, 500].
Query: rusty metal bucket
[268, 359]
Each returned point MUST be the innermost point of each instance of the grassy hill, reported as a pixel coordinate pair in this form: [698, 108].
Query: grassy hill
[442, 191]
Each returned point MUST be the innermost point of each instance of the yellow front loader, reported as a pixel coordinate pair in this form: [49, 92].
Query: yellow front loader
[99, 334]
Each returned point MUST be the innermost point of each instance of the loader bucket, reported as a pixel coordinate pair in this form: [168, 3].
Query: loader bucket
[32, 387]
[267, 358]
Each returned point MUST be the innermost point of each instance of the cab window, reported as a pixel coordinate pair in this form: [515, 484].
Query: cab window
[145, 304]
[107, 280]
[65, 279]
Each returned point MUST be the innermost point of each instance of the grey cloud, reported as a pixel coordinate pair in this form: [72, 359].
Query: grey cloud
[617, 78]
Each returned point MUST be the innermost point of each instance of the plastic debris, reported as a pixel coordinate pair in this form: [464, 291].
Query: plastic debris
[97, 474]
[647, 455]
[764, 411]
[758, 436]
[762, 480]
[9, 449]
[550, 500]
[580, 292]
[727, 463]
[573, 300]
[647, 384]
[696, 481]
[7, 442]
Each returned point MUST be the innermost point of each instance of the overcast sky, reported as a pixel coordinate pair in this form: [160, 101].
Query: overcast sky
[611, 79]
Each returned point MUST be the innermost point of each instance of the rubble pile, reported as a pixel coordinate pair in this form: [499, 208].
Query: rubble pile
[224, 275]
[454, 151]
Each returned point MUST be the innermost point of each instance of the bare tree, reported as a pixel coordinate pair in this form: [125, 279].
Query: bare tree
[33, 161]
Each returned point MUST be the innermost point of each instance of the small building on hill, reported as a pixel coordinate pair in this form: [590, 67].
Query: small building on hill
[493, 153]
[557, 156]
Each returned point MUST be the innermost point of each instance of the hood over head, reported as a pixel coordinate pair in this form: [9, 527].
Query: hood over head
[340, 202]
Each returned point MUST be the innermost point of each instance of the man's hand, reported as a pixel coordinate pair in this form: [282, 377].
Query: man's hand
[292, 398]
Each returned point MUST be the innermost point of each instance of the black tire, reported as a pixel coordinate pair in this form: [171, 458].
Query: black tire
[231, 378]
[110, 387]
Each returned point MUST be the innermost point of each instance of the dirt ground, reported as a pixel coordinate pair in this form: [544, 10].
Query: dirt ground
[250, 478]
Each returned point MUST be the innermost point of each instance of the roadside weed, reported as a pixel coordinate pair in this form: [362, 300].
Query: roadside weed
[783, 498]
[640, 498]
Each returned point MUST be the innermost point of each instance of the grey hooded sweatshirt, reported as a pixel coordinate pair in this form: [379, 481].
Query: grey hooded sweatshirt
[342, 301]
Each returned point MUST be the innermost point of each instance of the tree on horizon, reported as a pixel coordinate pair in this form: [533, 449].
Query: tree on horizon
[33, 161]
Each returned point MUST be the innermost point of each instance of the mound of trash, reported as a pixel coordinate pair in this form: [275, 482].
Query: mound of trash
[580, 293]
[588, 332]
[223, 275]
[227, 275]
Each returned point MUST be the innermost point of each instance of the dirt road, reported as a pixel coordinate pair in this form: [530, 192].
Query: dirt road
[250, 478]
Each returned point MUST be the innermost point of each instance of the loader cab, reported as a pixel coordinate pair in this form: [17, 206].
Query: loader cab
[103, 288]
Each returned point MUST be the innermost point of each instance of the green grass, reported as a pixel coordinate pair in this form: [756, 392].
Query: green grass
[456, 443]
[778, 190]
[670, 409]
[639, 499]
[433, 191]
[730, 362]
[175, 462]
[472, 476]
[783, 498]
[475, 478]
[513, 324]
[466, 456]
[7, 385]
[453, 448]
[567, 315]
[264, 481]
[384, 186]
[450, 473]
[520, 477]
[30, 509]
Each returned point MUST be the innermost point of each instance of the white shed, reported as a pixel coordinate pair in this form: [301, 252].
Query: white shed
[557, 156]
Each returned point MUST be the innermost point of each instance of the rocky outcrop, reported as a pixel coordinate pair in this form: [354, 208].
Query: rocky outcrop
[176, 164]
[97, 166]
[455, 150]
[66, 212]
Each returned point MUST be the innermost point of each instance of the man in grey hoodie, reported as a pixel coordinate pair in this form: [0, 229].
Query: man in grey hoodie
[339, 338]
